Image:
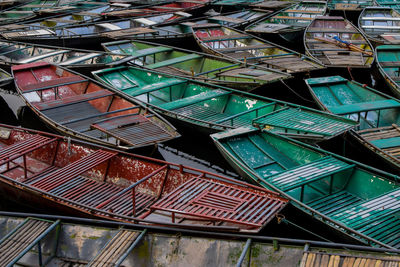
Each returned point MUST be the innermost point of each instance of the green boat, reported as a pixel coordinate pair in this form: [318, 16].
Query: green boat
[232, 43]
[199, 66]
[349, 5]
[387, 61]
[356, 200]
[290, 22]
[389, 3]
[212, 108]
[378, 114]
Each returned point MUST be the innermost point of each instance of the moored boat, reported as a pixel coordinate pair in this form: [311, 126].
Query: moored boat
[377, 113]
[349, 5]
[290, 22]
[338, 43]
[228, 42]
[352, 198]
[195, 65]
[85, 180]
[389, 3]
[17, 53]
[387, 60]
[78, 106]
[381, 25]
[212, 108]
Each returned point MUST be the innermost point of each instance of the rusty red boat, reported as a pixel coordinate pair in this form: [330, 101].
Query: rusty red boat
[75, 177]
[78, 106]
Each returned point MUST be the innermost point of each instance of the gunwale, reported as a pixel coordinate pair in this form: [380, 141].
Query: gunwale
[389, 79]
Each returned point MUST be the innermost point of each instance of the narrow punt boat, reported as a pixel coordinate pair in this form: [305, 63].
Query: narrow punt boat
[181, 6]
[381, 25]
[228, 42]
[289, 23]
[388, 63]
[338, 43]
[90, 181]
[389, 3]
[194, 65]
[5, 78]
[212, 108]
[352, 198]
[91, 242]
[377, 113]
[78, 106]
[17, 53]
[98, 32]
[349, 5]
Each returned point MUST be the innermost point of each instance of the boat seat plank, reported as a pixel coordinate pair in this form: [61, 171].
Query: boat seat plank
[292, 18]
[308, 173]
[365, 106]
[304, 11]
[385, 27]
[42, 106]
[72, 170]
[52, 83]
[331, 30]
[333, 202]
[194, 99]
[244, 48]
[173, 61]
[79, 59]
[381, 18]
[152, 87]
[41, 56]
[19, 148]
[25, 236]
[225, 37]
[390, 64]
[217, 201]
[387, 143]
[149, 51]
[228, 19]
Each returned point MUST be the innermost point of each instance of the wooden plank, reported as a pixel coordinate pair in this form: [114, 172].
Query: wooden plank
[292, 18]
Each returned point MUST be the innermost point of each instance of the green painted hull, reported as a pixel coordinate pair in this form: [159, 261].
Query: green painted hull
[389, 3]
[352, 198]
[378, 114]
[199, 66]
[214, 108]
[387, 57]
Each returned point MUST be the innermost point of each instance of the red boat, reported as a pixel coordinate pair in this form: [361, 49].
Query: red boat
[83, 179]
[78, 106]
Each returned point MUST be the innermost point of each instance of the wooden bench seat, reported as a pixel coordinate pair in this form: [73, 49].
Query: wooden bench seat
[149, 51]
[365, 106]
[390, 64]
[387, 142]
[225, 37]
[332, 203]
[308, 173]
[52, 83]
[292, 18]
[152, 87]
[173, 61]
[194, 99]
[244, 48]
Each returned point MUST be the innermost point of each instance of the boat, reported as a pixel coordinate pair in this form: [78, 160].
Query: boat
[84, 180]
[211, 108]
[381, 25]
[188, 7]
[353, 199]
[290, 22]
[388, 65]
[90, 240]
[231, 43]
[272, 4]
[349, 5]
[92, 34]
[5, 78]
[85, 61]
[78, 106]
[195, 65]
[377, 113]
[389, 3]
[337, 43]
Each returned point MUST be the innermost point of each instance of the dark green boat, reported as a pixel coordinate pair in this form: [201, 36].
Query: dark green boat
[378, 114]
[212, 108]
[199, 66]
[387, 60]
[389, 3]
[356, 200]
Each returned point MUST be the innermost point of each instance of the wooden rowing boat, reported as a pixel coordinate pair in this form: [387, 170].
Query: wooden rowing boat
[228, 42]
[377, 113]
[92, 34]
[91, 181]
[349, 5]
[352, 50]
[195, 65]
[85, 61]
[354, 199]
[290, 22]
[78, 106]
[388, 65]
[381, 25]
[212, 108]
